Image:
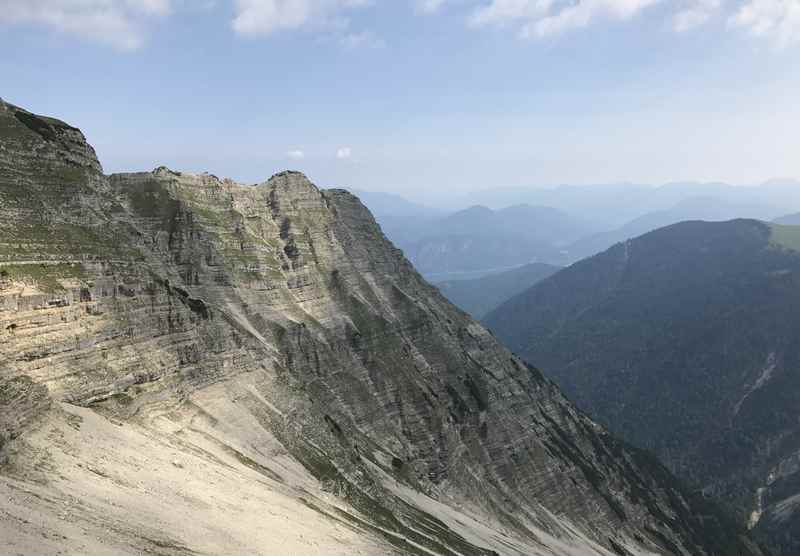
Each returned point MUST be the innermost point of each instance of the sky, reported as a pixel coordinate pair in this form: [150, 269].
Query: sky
[426, 98]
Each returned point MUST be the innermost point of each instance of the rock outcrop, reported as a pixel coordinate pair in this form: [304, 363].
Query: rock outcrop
[190, 365]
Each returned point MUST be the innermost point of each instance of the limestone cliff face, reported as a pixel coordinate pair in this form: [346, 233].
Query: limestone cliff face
[191, 365]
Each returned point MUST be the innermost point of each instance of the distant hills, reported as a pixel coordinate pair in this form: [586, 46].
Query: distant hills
[685, 341]
[711, 209]
[479, 296]
[609, 206]
[475, 241]
[505, 228]
[399, 218]
[479, 239]
[789, 219]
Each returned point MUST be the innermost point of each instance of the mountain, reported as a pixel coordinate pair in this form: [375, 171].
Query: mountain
[190, 365]
[604, 206]
[691, 208]
[610, 206]
[400, 219]
[789, 219]
[478, 240]
[534, 223]
[685, 341]
[382, 204]
[481, 295]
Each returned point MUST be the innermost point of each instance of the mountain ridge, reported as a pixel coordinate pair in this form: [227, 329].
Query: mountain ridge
[479, 240]
[180, 353]
[682, 341]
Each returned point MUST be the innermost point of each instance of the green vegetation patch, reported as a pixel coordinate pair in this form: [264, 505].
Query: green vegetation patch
[44, 276]
[47, 186]
[787, 237]
[36, 125]
[152, 199]
[36, 240]
[12, 130]
[20, 125]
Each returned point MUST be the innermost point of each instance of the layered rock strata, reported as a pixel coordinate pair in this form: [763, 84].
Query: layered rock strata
[191, 365]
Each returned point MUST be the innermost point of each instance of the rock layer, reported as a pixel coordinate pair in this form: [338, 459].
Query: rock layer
[186, 360]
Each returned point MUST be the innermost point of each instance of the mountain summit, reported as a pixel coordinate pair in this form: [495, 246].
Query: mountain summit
[190, 365]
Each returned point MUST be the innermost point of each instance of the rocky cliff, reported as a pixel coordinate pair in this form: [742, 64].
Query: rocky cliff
[190, 365]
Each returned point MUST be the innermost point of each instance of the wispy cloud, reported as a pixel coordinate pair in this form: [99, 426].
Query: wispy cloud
[119, 23]
[776, 20]
[296, 154]
[363, 39]
[343, 153]
[544, 18]
[264, 17]
[694, 14]
[124, 24]
[429, 6]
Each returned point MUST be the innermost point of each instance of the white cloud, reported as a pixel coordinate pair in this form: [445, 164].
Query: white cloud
[363, 39]
[344, 153]
[775, 20]
[543, 18]
[123, 24]
[264, 17]
[429, 6]
[296, 154]
[155, 7]
[119, 23]
[499, 12]
[695, 13]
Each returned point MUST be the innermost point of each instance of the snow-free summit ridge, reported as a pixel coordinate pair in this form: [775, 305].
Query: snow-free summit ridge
[189, 365]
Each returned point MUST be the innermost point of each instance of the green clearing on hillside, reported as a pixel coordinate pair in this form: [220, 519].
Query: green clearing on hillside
[45, 276]
[785, 236]
[38, 239]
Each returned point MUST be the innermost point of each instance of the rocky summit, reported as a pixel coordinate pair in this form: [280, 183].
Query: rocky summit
[193, 366]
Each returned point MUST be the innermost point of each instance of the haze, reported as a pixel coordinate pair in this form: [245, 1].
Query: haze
[491, 277]
[429, 99]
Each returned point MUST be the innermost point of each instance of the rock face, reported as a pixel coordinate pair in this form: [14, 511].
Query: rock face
[190, 365]
[685, 341]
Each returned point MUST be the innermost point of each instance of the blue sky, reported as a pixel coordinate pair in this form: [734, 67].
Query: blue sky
[425, 98]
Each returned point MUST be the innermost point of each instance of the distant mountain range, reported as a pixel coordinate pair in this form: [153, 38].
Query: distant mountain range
[789, 219]
[693, 208]
[477, 240]
[609, 206]
[398, 217]
[479, 296]
[559, 225]
[485, 240]
[685, 341]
